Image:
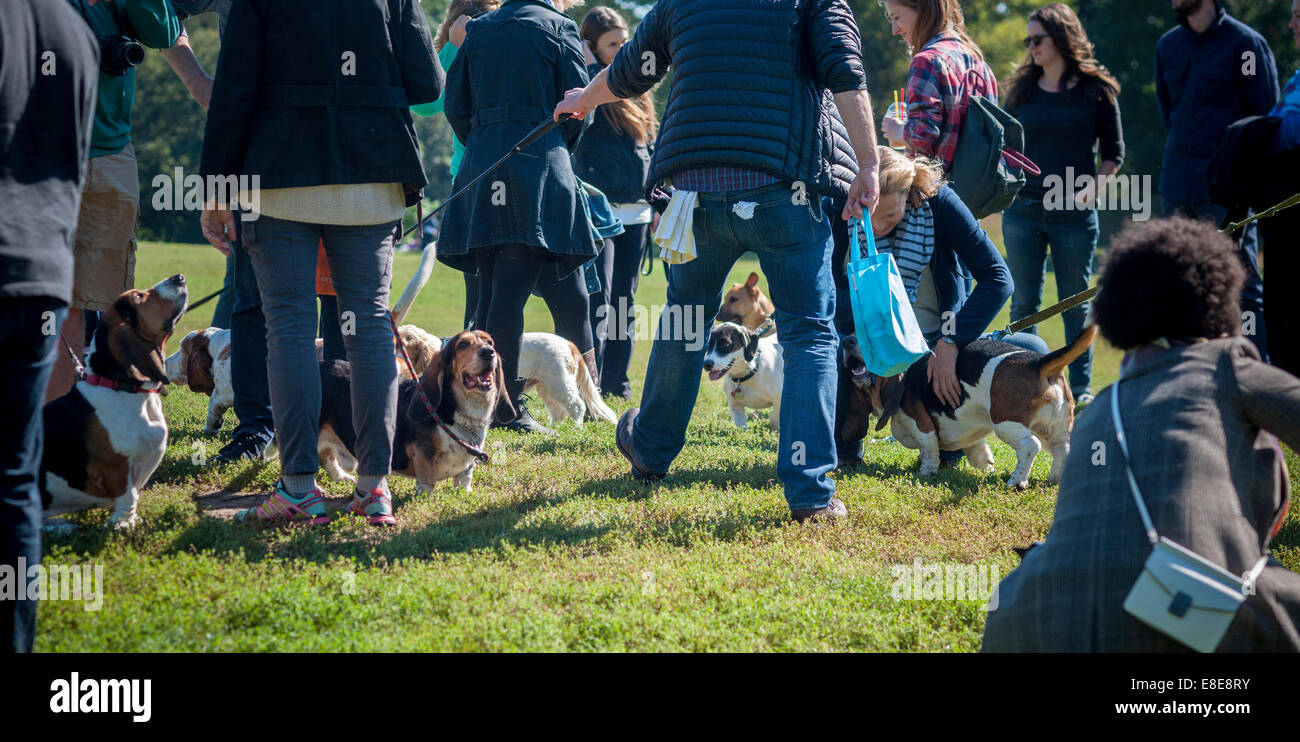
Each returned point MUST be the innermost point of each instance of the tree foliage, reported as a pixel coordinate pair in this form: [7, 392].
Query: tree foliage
[169, 126]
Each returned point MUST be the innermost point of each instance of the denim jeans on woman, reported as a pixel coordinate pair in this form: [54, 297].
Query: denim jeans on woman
[1029, 230]
[361, 262]
[793, 244]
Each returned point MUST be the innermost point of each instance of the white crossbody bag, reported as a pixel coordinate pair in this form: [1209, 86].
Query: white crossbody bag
[1181, 594]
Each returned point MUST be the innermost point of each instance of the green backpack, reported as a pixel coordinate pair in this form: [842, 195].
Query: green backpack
[986, 167]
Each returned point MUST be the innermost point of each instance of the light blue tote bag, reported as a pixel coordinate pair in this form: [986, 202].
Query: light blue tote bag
[886, 327]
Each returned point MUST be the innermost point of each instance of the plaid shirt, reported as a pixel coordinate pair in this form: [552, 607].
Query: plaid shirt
[938, 96]
[721, 178]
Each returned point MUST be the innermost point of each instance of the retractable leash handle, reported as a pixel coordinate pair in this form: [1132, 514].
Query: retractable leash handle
[538, 132]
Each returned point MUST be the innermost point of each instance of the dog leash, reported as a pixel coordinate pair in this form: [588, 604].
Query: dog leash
[1052, 311]
[537, 133]
[76, 362]
[206, 299]
[478, 453]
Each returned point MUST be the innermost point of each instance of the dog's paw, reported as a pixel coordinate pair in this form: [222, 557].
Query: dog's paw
[124, 524]
[1018, 484]
[928, 470]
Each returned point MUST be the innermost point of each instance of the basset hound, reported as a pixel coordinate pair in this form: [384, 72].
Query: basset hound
[203, 364]
[465, 386]
[1016, 394]
[105, 437]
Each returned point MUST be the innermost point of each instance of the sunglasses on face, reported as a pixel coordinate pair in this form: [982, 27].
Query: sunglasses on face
[1033, 41]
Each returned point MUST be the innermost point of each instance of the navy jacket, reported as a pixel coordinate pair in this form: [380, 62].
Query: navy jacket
[1202, 88]
[610, 160]
[960, 244]
[516, 63]
[45, 132]
[317, 92]
[752, 86]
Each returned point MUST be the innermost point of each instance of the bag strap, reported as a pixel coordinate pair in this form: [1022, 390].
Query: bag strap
[855, 245]
[1018, 159]
[1248, 577]
[1152, 536]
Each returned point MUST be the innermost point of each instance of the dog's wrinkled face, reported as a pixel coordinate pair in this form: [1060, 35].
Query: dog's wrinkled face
[728, 343]
[745, 305]
[474, 361]
[195, 364]
[135, 328]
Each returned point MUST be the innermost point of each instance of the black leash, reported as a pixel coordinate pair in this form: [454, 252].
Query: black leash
[206, 299]
[537, 133]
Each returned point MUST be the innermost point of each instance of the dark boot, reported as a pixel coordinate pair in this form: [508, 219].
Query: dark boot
[523, 421]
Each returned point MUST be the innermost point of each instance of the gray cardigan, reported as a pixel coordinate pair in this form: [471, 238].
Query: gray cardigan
[1200, 421]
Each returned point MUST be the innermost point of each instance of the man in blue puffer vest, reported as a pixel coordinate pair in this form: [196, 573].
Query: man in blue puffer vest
[768, 111]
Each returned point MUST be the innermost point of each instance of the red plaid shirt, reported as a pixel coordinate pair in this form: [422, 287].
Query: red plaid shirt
[938, 95]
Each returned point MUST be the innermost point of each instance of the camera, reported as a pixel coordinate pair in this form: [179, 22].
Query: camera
[117, 54]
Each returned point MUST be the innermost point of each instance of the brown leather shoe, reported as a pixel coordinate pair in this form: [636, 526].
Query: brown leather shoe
[834, 511]
[623, 439]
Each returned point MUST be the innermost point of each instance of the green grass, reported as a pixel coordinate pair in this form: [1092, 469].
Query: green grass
[556, 548]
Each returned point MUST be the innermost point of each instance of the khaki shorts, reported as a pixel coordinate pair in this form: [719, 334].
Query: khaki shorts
[104, 246]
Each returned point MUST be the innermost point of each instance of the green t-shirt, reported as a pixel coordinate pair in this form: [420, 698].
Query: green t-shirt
[445, 56]
[152, 23]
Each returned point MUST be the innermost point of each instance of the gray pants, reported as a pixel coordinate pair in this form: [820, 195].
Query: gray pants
[361, 262]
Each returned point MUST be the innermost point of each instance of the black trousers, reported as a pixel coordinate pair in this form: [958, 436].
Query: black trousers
[507, 275]
[615, 324]
[29, 332]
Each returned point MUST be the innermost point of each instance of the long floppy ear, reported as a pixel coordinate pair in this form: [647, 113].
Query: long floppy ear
[751, 344]
[505, 411]
[433, 380]
[196, 358]
[893, 398]
[142, 360]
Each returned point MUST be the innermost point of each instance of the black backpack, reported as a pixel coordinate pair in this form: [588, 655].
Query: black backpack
[986, 169]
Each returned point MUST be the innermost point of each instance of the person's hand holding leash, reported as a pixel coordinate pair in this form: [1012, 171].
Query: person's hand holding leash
[218, 228]
[572, 104]
[941, 371]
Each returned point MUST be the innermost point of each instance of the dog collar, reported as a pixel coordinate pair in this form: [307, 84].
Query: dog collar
[766, 328]
[120, 386]
[752, 371]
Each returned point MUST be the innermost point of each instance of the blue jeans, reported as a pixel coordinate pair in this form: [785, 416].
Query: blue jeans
[1029, 230]
[793, 244]
[1252, 292]
[27, 353]
[248, 349]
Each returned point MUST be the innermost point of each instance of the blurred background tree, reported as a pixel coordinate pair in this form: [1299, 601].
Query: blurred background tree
[169, 125]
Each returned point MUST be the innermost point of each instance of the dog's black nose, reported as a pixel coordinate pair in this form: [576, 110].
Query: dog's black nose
[850, 340]
[486, 352]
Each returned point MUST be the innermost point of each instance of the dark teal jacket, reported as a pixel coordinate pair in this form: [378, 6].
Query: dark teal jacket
[515, 65]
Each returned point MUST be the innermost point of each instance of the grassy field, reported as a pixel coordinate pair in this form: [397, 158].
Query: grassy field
[556, 548]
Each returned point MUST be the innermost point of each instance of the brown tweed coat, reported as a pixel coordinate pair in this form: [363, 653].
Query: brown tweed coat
[1200, 420]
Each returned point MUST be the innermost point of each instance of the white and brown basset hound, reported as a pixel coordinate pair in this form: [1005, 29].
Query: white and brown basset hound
[464, 384]
[203, 364]
[1016, 394]
[105, 438]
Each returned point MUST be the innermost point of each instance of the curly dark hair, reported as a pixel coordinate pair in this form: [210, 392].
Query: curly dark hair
[1176, 278]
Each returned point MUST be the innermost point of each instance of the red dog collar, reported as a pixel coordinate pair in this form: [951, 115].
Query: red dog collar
[120, 386]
